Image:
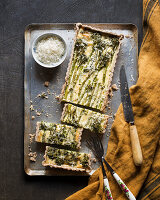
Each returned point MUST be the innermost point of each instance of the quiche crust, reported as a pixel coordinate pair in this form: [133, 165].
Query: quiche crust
[58, 134]
[85, 118]
[91, 88]
[76, 161]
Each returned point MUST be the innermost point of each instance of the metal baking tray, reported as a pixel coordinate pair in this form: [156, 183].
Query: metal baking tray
[35, 76]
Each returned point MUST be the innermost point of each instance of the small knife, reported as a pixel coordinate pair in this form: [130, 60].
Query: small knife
[128, 114]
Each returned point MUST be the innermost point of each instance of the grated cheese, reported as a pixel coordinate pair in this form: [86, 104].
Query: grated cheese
[50, 50]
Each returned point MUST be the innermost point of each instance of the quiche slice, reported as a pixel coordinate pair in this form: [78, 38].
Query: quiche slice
[91, 67]
[59, 134]
[65, 159]
[84, 118]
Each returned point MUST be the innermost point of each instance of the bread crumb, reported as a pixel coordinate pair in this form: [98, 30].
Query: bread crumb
[33, 117]
[33, 156]
[94, 160]
[129, 36]
[38, 113]
[114, 87]
[32, 159]
[43, 95]
[31, 136]
[46, 83]
[110, 92]
[31, 108]
[48, 91]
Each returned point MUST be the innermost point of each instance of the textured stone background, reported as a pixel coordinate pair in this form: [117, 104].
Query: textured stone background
[14, 16]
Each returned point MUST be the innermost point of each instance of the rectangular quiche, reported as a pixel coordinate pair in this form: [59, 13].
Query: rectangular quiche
[65, 159]
[91, 67]
[58, 134]
[84, 118]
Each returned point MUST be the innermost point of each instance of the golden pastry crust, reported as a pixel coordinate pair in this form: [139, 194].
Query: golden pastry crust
[65, 135]
[85, 118]
[109, 76]
[50, 163]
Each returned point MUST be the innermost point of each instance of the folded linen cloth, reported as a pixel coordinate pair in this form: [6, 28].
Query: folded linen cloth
[145, 96]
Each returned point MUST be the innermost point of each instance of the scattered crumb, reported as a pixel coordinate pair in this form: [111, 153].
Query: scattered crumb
[30, 101]
[48, 91]
[31, 108]
[110, 93]
[33, 117]
[46, 83]
[129, 36]
[32, 159]
[43, 95]
[94, 160]
[30, 150]
[114, 87]
[46, 114]
[38, 113]
[33, 156]
[31, 136]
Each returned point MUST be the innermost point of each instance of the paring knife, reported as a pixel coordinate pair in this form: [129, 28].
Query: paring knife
[128, 113]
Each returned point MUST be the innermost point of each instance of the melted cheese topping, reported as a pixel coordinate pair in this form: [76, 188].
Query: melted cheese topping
[66, 158]
[91, 67]
[58, 134]
[84, 118]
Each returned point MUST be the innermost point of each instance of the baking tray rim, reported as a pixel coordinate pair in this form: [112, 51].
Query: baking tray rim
[28, 28]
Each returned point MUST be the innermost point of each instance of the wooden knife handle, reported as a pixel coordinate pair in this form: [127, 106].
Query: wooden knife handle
[136, 148]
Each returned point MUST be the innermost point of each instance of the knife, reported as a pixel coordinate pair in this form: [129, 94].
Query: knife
[129, 117]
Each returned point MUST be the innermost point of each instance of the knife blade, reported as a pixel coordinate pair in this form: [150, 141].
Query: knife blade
[129, 117]
[125, 97]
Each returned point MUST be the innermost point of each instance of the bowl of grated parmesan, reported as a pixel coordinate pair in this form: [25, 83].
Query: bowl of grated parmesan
[49, 50]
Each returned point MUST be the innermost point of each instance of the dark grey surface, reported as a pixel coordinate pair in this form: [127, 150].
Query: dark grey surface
[14, 16]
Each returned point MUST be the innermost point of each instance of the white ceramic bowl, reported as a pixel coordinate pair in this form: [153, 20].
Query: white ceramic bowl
[41, 37]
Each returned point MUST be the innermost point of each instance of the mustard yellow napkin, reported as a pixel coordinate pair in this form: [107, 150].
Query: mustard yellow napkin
[145, 96]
